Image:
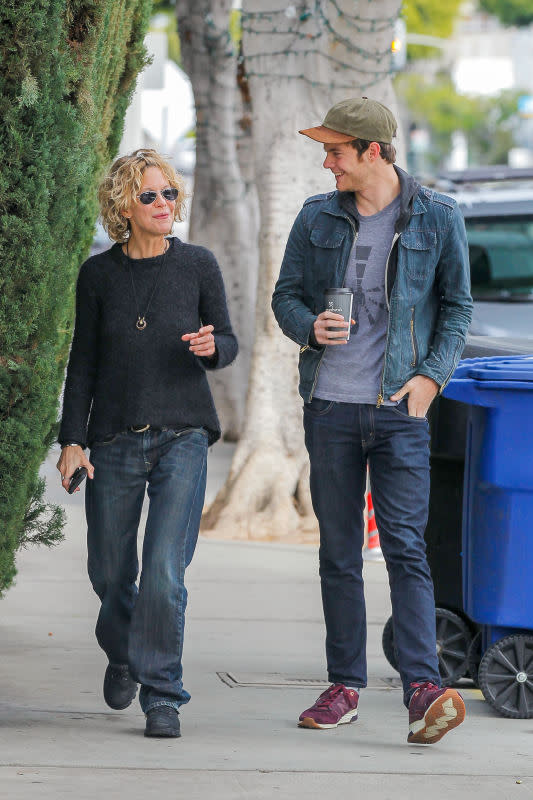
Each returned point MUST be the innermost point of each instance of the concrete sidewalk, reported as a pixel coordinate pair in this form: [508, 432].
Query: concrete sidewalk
[254, 618]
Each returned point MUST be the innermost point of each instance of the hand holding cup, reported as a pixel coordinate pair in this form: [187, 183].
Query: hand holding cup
[338, 304]
[330, 328]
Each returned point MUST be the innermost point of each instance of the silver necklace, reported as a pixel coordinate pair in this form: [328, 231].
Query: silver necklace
[140, 323]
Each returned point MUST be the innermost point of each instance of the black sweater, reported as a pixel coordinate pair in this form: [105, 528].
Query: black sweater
[119, 376]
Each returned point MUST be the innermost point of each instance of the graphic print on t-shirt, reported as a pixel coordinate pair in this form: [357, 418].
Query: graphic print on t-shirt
[362, 299]
[352, 373]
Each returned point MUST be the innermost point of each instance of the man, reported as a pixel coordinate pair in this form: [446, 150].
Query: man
[402, 249]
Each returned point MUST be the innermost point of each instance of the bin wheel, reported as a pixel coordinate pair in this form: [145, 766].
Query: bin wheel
[453, 642]
[387, 642]
[474, 657]
[506, 676]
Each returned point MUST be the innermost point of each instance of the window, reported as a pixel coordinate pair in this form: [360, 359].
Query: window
[501, 256]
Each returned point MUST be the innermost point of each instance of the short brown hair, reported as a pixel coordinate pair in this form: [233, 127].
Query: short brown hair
[386, 151]
[120, 187]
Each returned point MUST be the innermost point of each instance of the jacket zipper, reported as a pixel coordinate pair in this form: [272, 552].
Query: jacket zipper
[446, 380]
[394, 240]
[316, 375]
[387, 300]
[355, 235]
[413, 341]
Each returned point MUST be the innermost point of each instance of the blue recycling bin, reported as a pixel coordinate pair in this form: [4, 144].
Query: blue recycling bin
[498, 491]
[497, 529]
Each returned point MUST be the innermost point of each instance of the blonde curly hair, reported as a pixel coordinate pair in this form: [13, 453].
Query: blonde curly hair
[119, 189]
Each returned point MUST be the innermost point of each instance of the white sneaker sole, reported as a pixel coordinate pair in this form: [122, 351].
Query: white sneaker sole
[444, 714]
[309, 722]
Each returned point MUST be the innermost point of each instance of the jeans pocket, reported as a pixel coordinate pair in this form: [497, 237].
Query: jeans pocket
[178, 432]
[401, 411]
[319, 407]
[106, 441]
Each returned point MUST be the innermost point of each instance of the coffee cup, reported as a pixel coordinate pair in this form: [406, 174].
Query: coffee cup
[339, 301]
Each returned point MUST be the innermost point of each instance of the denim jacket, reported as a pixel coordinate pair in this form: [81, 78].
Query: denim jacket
[427, 283]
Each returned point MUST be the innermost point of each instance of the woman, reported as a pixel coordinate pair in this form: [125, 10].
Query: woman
[151, 318]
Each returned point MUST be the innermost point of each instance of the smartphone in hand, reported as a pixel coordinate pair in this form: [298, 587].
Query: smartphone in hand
[78, 476]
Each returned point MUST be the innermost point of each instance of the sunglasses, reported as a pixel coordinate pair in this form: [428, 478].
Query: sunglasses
[147, 198]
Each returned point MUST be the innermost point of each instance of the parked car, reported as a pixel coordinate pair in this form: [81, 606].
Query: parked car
[497, 204]
[184, 156]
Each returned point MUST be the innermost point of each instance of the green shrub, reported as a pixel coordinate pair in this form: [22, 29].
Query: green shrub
[68, 71]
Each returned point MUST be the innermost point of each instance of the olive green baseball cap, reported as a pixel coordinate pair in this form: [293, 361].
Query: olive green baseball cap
[357, 118]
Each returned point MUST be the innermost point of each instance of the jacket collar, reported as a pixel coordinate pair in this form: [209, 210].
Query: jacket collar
[342, 204]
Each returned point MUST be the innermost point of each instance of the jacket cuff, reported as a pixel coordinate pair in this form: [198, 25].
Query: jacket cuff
[438, 377]
[311, 340]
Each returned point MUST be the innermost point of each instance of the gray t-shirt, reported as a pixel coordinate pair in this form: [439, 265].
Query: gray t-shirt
[351, 373]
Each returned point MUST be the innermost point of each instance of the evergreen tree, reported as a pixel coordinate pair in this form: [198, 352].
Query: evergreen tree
[68, 70]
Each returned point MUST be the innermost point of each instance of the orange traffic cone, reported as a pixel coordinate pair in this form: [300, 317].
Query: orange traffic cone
[372, 551]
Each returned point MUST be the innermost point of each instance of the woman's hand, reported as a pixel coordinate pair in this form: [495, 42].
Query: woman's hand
[70, 459]
[202, 343]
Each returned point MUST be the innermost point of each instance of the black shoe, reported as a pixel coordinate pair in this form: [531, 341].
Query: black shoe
[119, 686]
[162, 721]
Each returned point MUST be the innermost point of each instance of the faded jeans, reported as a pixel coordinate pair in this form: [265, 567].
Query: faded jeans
[341, 439]
[144, 627]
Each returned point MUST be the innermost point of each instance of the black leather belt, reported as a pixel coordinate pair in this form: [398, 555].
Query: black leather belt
[139, 428]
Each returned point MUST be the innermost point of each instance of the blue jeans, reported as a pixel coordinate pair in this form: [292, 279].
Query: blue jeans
[342, 438]
[144, 627]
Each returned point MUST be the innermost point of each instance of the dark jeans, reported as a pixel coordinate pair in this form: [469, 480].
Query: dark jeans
[144, 628]
[341, 439]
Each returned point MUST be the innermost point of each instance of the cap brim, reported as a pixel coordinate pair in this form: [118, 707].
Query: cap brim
[327, 135]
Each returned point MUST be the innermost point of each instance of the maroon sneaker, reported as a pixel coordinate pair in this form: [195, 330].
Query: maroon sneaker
[335, 706]
[433, 711]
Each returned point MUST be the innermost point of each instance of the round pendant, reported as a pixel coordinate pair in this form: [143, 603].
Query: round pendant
[140, 324]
